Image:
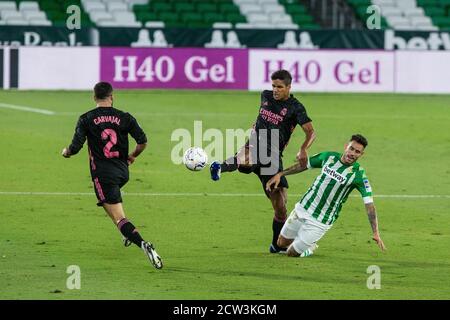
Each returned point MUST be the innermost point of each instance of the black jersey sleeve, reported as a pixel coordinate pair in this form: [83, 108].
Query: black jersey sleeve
[265, 96]
[136, 131]
[79, 136]
[301, 115]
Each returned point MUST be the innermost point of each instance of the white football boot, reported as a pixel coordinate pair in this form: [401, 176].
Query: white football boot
[152, 255]
[308, 252]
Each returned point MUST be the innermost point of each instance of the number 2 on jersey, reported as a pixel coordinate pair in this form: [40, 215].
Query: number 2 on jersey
[111, 134]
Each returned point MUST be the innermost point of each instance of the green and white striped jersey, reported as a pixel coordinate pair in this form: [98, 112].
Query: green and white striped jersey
[331, 188]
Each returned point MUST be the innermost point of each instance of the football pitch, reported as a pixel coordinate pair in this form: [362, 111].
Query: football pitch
[214, 236]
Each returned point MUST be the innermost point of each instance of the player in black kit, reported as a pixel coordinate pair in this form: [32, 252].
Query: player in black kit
[279, 113]
[106, 130]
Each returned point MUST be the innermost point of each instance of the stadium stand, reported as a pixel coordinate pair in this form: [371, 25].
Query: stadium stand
[428, 15]
[251, 14]
[300, 14]
[404, 14]
[266, 14]
[194, 13]
[112, 13]
[22, 13]
[438, 11]
[38, 13]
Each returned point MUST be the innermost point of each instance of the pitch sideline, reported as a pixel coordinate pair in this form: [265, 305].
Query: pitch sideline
[26, 109]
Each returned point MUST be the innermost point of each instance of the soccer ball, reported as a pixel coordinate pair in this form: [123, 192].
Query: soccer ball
[195, 159]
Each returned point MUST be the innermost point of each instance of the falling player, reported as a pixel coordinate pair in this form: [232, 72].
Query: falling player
[106, 130]
[319, 207]
[279, 113]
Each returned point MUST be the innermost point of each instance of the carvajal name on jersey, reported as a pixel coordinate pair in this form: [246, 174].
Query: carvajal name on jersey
[111, 119]
[333, 174]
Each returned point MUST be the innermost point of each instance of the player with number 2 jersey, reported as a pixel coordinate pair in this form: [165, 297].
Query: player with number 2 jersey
[106, 130]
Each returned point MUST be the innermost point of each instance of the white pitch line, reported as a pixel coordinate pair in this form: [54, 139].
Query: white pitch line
[28, 109]
[235, 114]
[187, 194]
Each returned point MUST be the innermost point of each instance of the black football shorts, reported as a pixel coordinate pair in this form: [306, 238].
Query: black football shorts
[256, 169]
[107, 190]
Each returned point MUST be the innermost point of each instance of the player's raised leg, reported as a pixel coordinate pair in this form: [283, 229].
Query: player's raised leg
[240, 161]
[215, 169]
[229, 165]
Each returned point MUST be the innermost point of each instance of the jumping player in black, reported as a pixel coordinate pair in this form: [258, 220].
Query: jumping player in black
[279, 113]
[106, 130]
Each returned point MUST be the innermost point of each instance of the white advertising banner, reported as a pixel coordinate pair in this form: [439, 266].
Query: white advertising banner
[79, 68]
[422, 71]
[325, 70]
[66, 68]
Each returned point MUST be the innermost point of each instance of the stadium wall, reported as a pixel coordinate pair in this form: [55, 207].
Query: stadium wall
[79, 68]
[325, 70]
[58, 68]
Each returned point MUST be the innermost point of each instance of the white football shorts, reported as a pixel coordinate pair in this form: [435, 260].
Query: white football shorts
[304, 229]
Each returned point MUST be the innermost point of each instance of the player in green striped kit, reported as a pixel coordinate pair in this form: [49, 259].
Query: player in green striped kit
[319, 207]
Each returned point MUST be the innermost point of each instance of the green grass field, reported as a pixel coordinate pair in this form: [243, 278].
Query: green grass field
[215, 246]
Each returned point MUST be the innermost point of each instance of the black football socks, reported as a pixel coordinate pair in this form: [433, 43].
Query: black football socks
[130, 232]
[277, 225]
[229, 165]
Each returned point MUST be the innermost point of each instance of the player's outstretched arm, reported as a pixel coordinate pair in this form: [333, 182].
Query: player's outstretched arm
[275, 180]
[294, 169]
[79, 137]
[372, 215]
[137, 151]
[310, 136]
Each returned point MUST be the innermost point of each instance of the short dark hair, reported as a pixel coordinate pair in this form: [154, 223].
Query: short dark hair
[283, 75]
[102, 90]
[360, 139]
